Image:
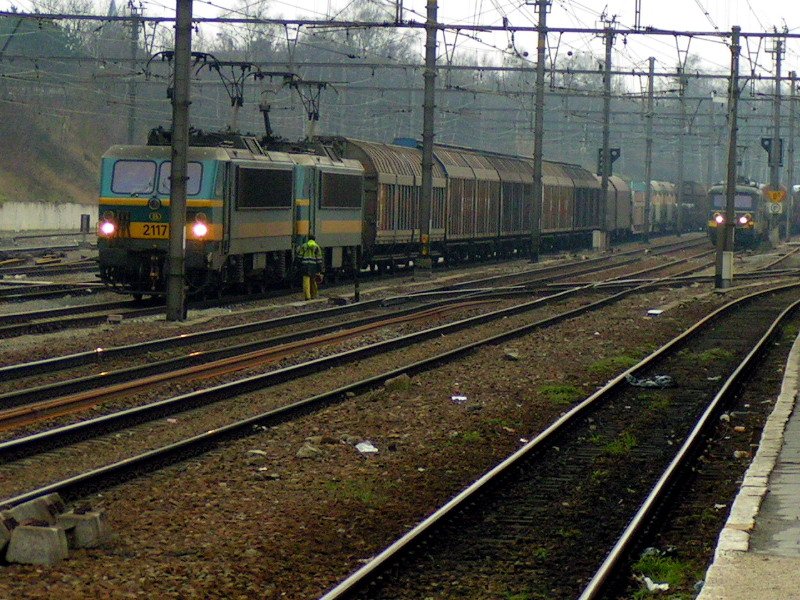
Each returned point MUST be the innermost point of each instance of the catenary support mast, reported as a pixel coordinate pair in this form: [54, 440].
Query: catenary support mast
[176, 293]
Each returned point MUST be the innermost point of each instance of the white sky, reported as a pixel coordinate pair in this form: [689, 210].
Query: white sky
[631, 51]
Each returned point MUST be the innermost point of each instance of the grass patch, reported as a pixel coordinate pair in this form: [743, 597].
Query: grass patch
[568, 534]
[401, 383]
[504, 423]
[519, 596]
[540, 553]
[367, 493]
[466, 437]
[654, 401]
[663, 569]
[596, 439]
[561, 394]
[789, 332]
[612, 365]
[622, 445]
[709, 356]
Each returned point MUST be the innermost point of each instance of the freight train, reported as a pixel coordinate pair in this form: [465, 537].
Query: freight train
[249, 206]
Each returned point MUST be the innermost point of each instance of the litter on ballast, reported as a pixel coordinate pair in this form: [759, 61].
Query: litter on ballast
[366, 448]
[458, 398]
[654, 312]
[657, 381]
[652, 586]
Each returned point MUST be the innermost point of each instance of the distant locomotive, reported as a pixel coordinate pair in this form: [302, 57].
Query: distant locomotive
[750, 214]
[249, 208]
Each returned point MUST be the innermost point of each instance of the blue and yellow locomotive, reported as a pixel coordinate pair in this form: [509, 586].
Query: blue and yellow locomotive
[750, 211]
[247, 211]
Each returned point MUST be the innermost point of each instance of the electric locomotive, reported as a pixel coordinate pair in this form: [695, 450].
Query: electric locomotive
[247, 210]
[750, 213]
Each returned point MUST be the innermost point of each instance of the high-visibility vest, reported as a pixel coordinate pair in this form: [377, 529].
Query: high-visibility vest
[310, 253]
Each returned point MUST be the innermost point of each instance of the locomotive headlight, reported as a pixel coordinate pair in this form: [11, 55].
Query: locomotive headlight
[200, 229]
[719, 218]
[744, 219]
[107, 228]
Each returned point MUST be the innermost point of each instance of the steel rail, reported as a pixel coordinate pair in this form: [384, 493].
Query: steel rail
[84, 483]
[50, 291]
[59, 436]
[361, 578]
[779, 259]
[93, 388]
[62, 362]
[53, 269]
[26, 404]
[677, 466]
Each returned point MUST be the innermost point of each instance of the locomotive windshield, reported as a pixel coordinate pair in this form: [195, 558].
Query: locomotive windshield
[133, 177]
[194, 172]
[740, 201]
[137, 177]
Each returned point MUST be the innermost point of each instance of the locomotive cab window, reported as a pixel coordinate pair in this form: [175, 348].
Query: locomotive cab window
[740, 201]
[264, 188]
[133, 177]
[340, 191]
[194, 173]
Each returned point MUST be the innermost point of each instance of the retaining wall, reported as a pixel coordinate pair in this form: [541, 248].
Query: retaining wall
[44, 216]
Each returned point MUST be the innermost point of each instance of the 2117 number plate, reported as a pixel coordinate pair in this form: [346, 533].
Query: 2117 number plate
[150, 231]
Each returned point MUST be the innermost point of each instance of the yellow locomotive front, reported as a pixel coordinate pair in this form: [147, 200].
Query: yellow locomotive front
[134, 216]
[749, 218]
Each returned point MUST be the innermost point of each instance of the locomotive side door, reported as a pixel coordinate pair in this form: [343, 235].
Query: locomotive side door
[228, 202]
[303, 209]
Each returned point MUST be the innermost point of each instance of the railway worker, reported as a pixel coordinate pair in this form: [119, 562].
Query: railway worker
[310, 255]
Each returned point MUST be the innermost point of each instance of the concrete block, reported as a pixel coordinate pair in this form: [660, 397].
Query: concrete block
[5, 534]
[44, 508]
[733, 539]
[31, 545]
[86, 530]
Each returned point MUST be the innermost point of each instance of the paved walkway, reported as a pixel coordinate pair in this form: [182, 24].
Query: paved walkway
[758, 553]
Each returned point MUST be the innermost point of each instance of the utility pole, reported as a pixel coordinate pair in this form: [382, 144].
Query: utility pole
[606, 152]
[132, 80]
[648, 151]
[538, 131]
[424, 263]
[788, 202]
[176, 293]
[681, 151]
[723, 275]
[775, 145]
[711, 145]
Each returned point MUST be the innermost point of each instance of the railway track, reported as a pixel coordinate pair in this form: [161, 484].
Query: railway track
[33, 322]
[230, 455]
[35, 272]
[40, 291]
[32, 405]
[555, 519]
[35, 444]
[29, 404]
